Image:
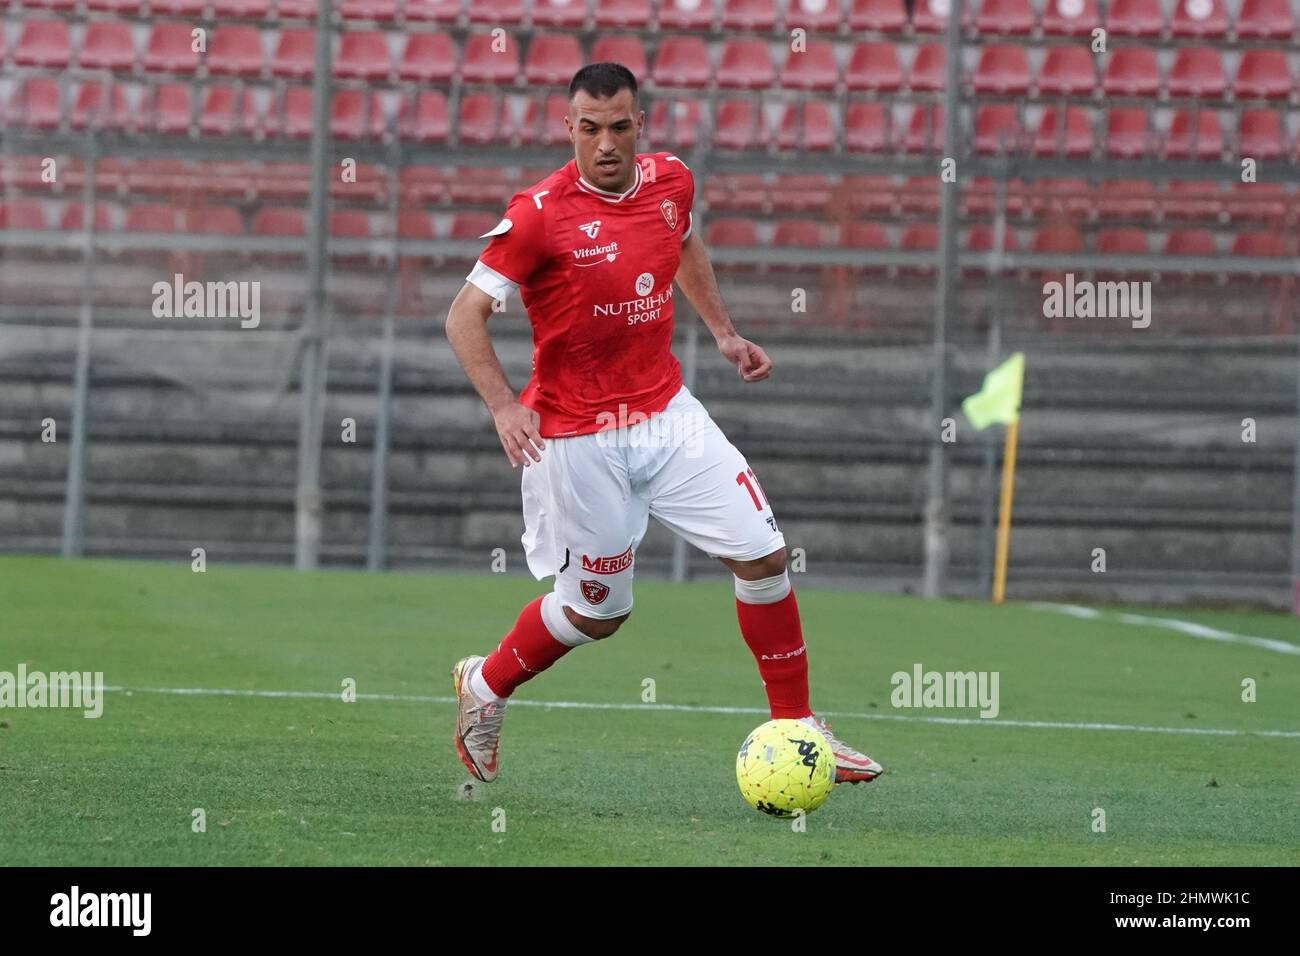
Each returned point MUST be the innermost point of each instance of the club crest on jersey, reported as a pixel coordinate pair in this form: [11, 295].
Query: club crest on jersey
[611, 565]
[645, 284]
[594, 591]
[591, 228]
[669, 209]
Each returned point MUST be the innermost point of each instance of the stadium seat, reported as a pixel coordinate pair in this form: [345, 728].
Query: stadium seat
[544, 121]
[737, 125]
[924, 129]
[1005, 17]
[681, 61]
[552, 59]
[997, 129]
[885, 16]
[1191, 199]
[749, 16]
[1120, 242]
[874, 66]
[354, 115]
[432, 11]
[484, 65]
[676, 123]
[171, 49]
[89, 108]
[1070, 18]
[422, 185]
[807, 126]
[222, 115]
[1201, 19]
[685, 14]
[1262, 74]
[866, 128]
[151, 217]
[801, 193]
[1002, 70]
[745, 65]
[1197, 72]
[480, 118]
[178, 8]
[798, 234]
[349, 224]
[930, 16]
[732, 232]
[1132, 71]
[37, 104]
[979, 198]
[296, 9]
[622, 14]
[1067, 71]
[981, 239]
[169, 108]
[1260, 244]
[295, 120]
[107, 45]
[124, 7]
[1128, 135]
[295, 54]
[239, 8]
[279, 221]
[22, 214]
[813, 69]
[428, 58]
[471, 225]
[1074, 138]
[415, 224]
[362, 56]
[1266, 202]
[1135, 18]
[73, 217]
[928, 68]
[1126, 199]
[212, 220]
[818, 15]
[919, 195]
[1058, 238]
[566, 14]
[919, 237]
[1265, 19]
[627, 50]
[740, 191]
[1056, 198]
[235, 51]
[496, 12]
[1260, 135]
[1194, 135]
[1191, 242]
[864, 235]
[382, 10]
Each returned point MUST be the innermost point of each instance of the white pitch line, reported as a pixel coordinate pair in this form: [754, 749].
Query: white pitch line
[697, 709]
[1190, 628]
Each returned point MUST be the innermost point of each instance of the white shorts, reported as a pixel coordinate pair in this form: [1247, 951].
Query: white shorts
[588, 502]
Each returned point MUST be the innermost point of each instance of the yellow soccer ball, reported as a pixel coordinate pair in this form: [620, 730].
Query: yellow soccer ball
[784, 766]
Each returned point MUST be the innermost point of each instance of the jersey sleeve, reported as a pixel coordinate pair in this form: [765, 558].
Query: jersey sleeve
[688, 197]
[517, 248]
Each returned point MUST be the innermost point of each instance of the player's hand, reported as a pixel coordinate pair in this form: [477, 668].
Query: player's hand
[517, 427]
[750, 360]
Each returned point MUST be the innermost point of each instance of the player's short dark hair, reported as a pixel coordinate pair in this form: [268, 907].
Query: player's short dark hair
[602, 80]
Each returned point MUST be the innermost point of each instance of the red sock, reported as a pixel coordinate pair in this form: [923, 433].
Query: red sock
[775, 637]
[524, 653]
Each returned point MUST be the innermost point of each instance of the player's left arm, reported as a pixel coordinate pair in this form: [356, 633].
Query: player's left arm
[696, 279]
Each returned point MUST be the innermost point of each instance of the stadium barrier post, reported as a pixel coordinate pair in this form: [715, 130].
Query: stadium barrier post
[1295, 492]
[376, 546]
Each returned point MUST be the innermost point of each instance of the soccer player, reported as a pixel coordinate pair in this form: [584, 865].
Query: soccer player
[605, 432]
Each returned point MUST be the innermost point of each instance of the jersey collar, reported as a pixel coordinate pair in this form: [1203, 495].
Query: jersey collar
[605, 194]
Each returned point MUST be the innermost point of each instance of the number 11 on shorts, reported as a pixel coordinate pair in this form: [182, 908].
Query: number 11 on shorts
[750, 481]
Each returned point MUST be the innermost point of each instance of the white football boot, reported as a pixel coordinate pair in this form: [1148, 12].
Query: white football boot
[478, 723]
[851, 766]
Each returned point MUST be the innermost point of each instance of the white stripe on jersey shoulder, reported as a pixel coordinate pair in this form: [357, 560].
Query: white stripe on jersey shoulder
[487, 279]
[608, 196]
[537, 197]
[673, 159]
[500, 229]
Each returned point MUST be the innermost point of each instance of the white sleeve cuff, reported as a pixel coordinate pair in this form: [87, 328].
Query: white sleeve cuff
[690, 224]
[490, 281]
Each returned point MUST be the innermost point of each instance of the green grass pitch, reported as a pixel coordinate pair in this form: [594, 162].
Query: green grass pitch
[316, 780]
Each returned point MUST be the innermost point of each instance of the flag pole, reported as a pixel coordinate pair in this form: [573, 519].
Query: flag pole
[1004, 512]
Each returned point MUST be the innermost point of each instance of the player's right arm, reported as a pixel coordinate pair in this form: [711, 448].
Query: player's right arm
[517, 424]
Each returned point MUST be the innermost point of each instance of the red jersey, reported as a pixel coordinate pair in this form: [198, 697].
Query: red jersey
[595, 272]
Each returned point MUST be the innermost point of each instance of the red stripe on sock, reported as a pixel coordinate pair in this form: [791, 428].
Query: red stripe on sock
[775, 637]
[524, 653]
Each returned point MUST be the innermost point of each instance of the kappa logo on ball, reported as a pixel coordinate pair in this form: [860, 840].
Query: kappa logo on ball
[594, 591]
[645, 284]
[619, 562]
[669, 209]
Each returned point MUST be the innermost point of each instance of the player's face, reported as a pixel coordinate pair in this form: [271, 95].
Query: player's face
[604, 134]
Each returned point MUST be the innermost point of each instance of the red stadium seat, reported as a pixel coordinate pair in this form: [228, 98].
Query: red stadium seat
[178, 8]
[171, 49]
[866, 128]
[353, 115]
[807, 126]
[484, 65]
[480, 118]
[362, 56]
[927, 74]
[980, 198]
[73, 217]
[290, 181]
[681, 61]
[238, 8]
[1132, 71]
[1005, 17]
[415, 224]
[798, 234]
[981, 239]
[1074, 138]
[1197, 72]
[750, 16]
[1070, 18]
[676, 123]
[212, 220]
[919, 237]
[919, 195]
[1067, 71]
[222, 115]
[295, 54]
[737, 125]
[820, 15]
[432, 11]
[382, 10]
[424, 118]
[496, 12]
[886, 16]
[1058, 238]
[1203, 19]
[349, 224]
[736, 233]
[170, 108]
[1263, 202]
[1127, 132]
[1117, 242]
[1126, 199]
[1135, 18]
[422, 184]
[37, 103]
[1191, 242]
[801, 193]
[813, 69]
[874, 66]
[428, 58]
[741, 191]
[552, 59]
[627, 50]
[930, 16]
[560, 13]
[278, 221]
[107, 46]
[471, 225]
[626, 14]
[1263, 244]
[544, 121]
[1263, 74]
[997, 129]
[1002, 70]
[295, 114]
[235, 51]
[1191, 199]
[685, 14]
[1265, 19]
[1194, 138]
[151, 217]
[22, 214]
[1260, 135]
[746, 65]
[125, 7]
[924, 130]
[90, 109]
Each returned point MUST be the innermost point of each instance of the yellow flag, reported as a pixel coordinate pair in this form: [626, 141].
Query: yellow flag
[998, 402]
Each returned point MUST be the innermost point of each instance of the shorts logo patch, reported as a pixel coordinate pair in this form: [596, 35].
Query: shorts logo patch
[669, 209]
[619, 562]
[594, 591]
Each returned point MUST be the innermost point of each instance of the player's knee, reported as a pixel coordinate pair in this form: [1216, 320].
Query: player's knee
[768, 566]
[597, 628]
